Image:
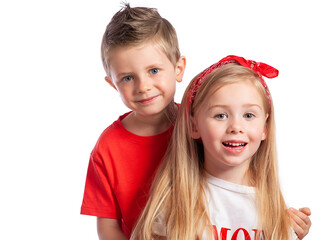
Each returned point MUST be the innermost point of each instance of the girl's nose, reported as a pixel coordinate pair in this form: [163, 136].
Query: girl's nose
[235, 127]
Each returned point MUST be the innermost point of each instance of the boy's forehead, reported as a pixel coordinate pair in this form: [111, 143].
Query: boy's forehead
[130, 53]
[146, 45]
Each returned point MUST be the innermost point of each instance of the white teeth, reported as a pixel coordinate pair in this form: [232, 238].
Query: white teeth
[234, 144]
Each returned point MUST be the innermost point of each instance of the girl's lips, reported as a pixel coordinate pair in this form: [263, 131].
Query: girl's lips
[234, 146]
[148, 100]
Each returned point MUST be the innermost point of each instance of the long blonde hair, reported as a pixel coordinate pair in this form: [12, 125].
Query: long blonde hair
[177, 194]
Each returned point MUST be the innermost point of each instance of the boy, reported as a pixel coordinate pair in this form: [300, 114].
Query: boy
[141, 56]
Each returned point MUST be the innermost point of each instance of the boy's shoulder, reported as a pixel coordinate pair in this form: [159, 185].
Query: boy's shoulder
[116, 136]
[113, 130]
[110, 138]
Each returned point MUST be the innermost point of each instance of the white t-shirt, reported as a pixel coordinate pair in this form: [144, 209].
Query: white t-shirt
[232, 211]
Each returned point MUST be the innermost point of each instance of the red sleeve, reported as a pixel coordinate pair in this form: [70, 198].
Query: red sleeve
[99, 199]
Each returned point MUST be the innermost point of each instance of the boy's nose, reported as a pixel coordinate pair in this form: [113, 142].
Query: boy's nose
[144, 84]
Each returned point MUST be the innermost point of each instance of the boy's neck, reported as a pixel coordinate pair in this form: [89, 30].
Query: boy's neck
[150, 125]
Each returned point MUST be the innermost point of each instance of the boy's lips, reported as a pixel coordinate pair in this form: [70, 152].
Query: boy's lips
[148, 100]
[234, 146]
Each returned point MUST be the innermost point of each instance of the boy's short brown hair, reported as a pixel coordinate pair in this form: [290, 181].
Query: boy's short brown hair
[134, 26]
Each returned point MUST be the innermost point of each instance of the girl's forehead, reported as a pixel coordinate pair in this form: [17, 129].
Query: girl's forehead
[242, 92]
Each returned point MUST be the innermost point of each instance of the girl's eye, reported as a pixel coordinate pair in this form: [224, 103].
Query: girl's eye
[221, 116]
[249, 115]
[154, 71]
[127, 78]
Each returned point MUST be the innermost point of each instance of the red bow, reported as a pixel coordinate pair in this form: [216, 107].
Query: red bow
[261, 69]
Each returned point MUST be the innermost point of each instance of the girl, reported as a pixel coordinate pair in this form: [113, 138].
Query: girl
[219, 179]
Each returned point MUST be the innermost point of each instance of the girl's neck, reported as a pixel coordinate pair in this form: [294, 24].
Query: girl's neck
[237, 175]
[151, 125]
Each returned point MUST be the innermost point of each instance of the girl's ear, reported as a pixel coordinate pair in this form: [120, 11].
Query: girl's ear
[180, 67]
[194, 131]
[265, 130]
[264, 134]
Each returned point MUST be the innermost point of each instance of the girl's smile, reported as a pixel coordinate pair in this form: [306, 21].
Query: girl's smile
[234, 146]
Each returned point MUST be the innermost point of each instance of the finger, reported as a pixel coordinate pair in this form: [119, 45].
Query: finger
[297, 229]
[303, 216]
[297, 216]
[298, 225]
[305, 210]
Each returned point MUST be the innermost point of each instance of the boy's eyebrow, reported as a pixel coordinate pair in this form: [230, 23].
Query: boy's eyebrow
[226, 106]
[122, 74]
[154, 65]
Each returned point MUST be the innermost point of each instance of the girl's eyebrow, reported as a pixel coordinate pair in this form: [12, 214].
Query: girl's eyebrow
[227, 106]
[252, 105]
[217, 106]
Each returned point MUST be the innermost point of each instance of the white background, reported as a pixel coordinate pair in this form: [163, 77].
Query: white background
[54, 101]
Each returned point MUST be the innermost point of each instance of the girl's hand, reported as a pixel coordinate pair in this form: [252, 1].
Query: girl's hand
[300, 221]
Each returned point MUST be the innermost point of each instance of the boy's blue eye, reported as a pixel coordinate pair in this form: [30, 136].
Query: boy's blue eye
[249, 115]
[221, 116]
[154, 71]
[127, 78]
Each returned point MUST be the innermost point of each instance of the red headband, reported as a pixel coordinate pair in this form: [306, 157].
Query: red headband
[261, 69]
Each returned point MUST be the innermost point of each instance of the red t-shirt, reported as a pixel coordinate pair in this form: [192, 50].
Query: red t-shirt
[121, 169]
